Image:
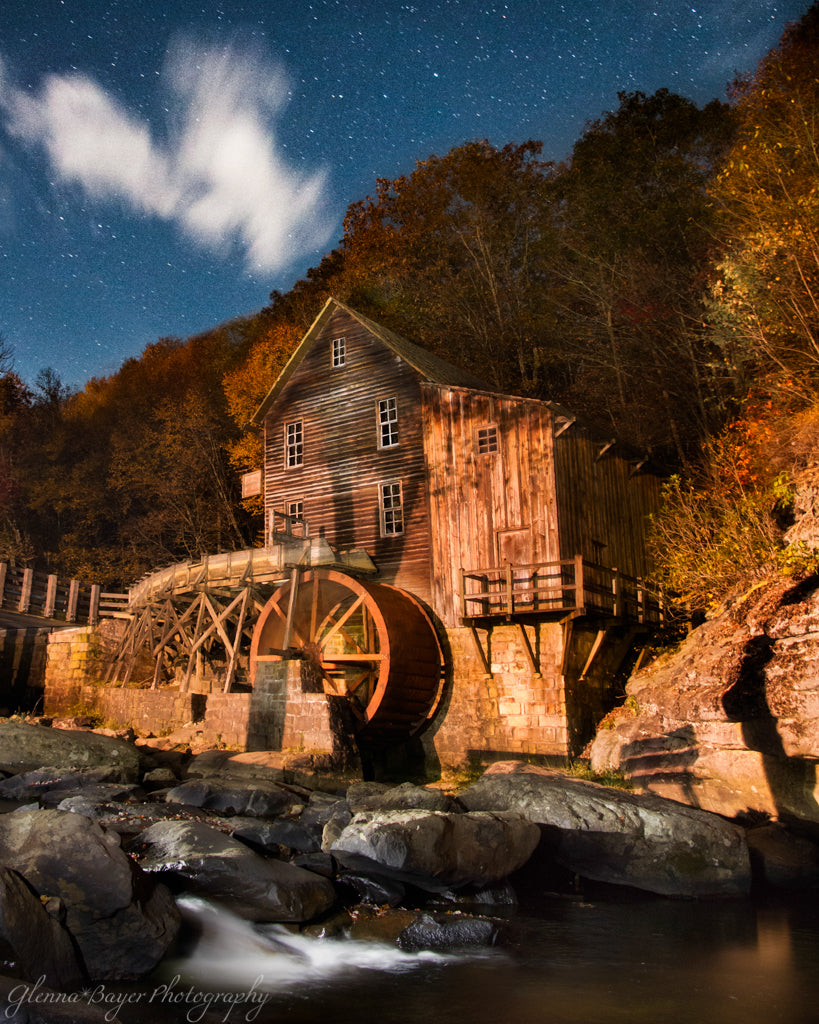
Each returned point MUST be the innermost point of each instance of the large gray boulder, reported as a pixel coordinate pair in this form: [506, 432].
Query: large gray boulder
[377, 796]
[26, 748]
[434, 850]
[213, 864]
[121, 920]
[37, 943]
[611, 835]
[255, 798]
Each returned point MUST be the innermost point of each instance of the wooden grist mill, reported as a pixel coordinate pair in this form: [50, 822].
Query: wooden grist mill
[473, 576]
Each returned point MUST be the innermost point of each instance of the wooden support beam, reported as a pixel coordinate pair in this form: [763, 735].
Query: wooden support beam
[527, 646]
[610, 444]
[565, 423]
[483, 655]
[598, 643]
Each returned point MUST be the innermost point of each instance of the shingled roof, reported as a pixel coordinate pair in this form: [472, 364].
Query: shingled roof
[429, 366]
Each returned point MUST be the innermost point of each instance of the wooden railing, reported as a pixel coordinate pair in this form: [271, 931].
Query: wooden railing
[571, 586]
[37, 593]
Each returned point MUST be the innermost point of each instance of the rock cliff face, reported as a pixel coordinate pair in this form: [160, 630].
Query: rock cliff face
[730, 721]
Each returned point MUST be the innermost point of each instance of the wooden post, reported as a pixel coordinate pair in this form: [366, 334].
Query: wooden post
[510, 600]
[579, 585]
[461, 592]
[51, 597]
[3, 568]
[73, 600]
[25, 591]
[617, 594]
[94, 605]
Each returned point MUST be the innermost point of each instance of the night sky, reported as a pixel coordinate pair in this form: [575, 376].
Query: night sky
[164, 165]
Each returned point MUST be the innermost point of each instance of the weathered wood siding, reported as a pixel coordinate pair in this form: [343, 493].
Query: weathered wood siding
[343, 465]
[486, 509]
[603, 503]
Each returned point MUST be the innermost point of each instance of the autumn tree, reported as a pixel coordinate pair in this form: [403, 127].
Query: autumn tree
[452, 256]
[766, 294]
[636, 231]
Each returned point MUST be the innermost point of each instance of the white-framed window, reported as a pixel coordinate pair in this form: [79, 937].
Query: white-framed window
[339, 350]
[294, 444]
[295, 509]
[387, 423]
[486, 439]
[391, 503]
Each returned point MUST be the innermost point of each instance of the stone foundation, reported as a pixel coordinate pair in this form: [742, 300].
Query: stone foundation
[511, 711]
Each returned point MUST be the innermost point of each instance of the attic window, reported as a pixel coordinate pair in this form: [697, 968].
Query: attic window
[294, 445]
[487, 439]
[387, 423]
[339, 351]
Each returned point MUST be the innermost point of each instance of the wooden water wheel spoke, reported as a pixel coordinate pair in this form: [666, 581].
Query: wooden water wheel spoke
[338, 625]
[283, 616]
[370, 643]
[352, 659]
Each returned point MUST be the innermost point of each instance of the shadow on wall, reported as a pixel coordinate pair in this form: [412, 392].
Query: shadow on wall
[664, 761]
[791, 779]
[22, 668]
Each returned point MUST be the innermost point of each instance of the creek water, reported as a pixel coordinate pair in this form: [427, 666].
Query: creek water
[562, 960]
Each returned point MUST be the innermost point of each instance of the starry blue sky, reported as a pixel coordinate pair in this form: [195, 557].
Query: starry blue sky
[165, 164]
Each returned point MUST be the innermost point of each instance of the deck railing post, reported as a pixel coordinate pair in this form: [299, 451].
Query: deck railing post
[579, 585]
[510, 607]
[25, 591]
[94, 605]
[617, 594]
[3, 569]
[51, 596]
[462, 592]
[73, 600]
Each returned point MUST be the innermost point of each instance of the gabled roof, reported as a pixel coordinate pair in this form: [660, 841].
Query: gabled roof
[429, 366]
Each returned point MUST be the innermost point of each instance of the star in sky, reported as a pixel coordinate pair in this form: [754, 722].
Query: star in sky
[164, 166]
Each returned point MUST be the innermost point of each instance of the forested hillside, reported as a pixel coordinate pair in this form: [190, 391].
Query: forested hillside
[662, 283]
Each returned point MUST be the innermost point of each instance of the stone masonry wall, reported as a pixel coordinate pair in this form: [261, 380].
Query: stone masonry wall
[513, 711]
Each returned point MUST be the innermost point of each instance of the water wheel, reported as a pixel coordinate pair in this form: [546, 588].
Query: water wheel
[368, 642]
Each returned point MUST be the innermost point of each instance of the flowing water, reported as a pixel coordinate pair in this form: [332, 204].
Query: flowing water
[562, 960]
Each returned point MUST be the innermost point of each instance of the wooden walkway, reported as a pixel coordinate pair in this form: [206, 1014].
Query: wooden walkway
[65, 601]
[566, 589]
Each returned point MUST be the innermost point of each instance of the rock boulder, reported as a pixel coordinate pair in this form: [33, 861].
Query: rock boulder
[611, 835]
[121, 920]
[434, 850]
[215, 865]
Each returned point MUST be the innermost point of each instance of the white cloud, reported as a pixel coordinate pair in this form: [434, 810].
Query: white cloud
[219, 176]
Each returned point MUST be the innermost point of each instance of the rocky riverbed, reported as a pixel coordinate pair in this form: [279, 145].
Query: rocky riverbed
[102, 841]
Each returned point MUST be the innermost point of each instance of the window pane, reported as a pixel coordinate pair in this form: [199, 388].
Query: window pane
[387, 422]
[339, 351]
[487, 440]
[294, 444]
[392, 512]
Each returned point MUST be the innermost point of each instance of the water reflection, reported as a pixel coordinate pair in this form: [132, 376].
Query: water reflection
[563, 961]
